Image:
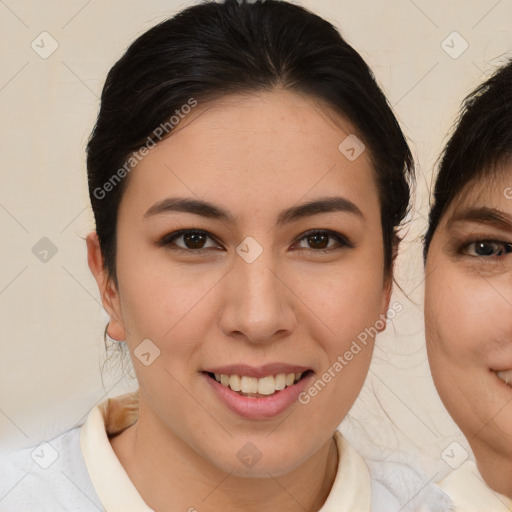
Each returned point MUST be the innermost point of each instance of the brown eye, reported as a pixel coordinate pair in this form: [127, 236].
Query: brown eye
[319, 241]
[192, 240]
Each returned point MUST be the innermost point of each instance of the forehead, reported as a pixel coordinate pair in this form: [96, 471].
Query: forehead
[492, 189]
[267, 147]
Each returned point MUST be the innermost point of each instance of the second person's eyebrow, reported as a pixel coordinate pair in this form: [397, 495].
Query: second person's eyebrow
[483, 215]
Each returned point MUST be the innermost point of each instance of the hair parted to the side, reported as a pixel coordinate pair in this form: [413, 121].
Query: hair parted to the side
[214, 49]
[480, 143]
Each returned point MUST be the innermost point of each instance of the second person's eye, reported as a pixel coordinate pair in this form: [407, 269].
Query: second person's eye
[486, 248]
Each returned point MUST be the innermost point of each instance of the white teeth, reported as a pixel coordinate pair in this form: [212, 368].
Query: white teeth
[265, 386]
[234, 383]
[280, 381]
[249, 384]
[505, 376]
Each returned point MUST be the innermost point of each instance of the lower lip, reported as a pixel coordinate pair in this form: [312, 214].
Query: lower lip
[259, 408]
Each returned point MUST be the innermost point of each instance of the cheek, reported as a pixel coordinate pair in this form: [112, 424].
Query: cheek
[335, 303]
[157, 292]
[347, 306]
[464, 316]
[447, 316]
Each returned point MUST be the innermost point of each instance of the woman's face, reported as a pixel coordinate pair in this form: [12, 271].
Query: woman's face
[258, 297]
[468, 315]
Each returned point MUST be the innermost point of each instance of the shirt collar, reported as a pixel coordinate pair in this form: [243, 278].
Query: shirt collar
[469, 492]
[351, 489]
[111, 482]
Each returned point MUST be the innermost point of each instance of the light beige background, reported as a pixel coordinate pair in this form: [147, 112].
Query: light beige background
[51, 317]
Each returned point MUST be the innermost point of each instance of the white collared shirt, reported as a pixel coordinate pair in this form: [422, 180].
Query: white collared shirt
[469, 493]
[79, 471]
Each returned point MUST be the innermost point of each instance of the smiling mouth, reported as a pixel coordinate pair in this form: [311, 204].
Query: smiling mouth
[258, 388]
[505, 376]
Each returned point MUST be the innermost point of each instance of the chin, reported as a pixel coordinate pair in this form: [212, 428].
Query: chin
[253, 460]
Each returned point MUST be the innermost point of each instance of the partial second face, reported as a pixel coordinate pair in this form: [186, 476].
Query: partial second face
[468, 313]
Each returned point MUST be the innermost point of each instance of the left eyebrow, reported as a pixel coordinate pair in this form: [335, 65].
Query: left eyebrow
[483, 215]
[210, 210]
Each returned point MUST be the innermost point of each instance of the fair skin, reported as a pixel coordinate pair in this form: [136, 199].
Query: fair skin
[254, 156]
[468, 320]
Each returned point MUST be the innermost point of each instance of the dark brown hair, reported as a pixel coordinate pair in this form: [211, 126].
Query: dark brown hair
[481, 141]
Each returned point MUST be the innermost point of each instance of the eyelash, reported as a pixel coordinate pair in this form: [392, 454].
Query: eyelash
[168, 240]
[505, 246]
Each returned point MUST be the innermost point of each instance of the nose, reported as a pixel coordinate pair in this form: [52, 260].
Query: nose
[257, 301]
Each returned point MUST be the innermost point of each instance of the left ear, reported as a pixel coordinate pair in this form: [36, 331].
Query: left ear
[388, 282]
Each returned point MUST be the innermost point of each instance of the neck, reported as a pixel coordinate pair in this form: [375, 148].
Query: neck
[170, 475]
[496, 470]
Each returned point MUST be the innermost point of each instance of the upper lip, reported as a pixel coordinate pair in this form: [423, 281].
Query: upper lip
[258, 371]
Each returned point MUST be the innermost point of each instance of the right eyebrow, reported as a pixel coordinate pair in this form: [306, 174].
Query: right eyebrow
[482, 215]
